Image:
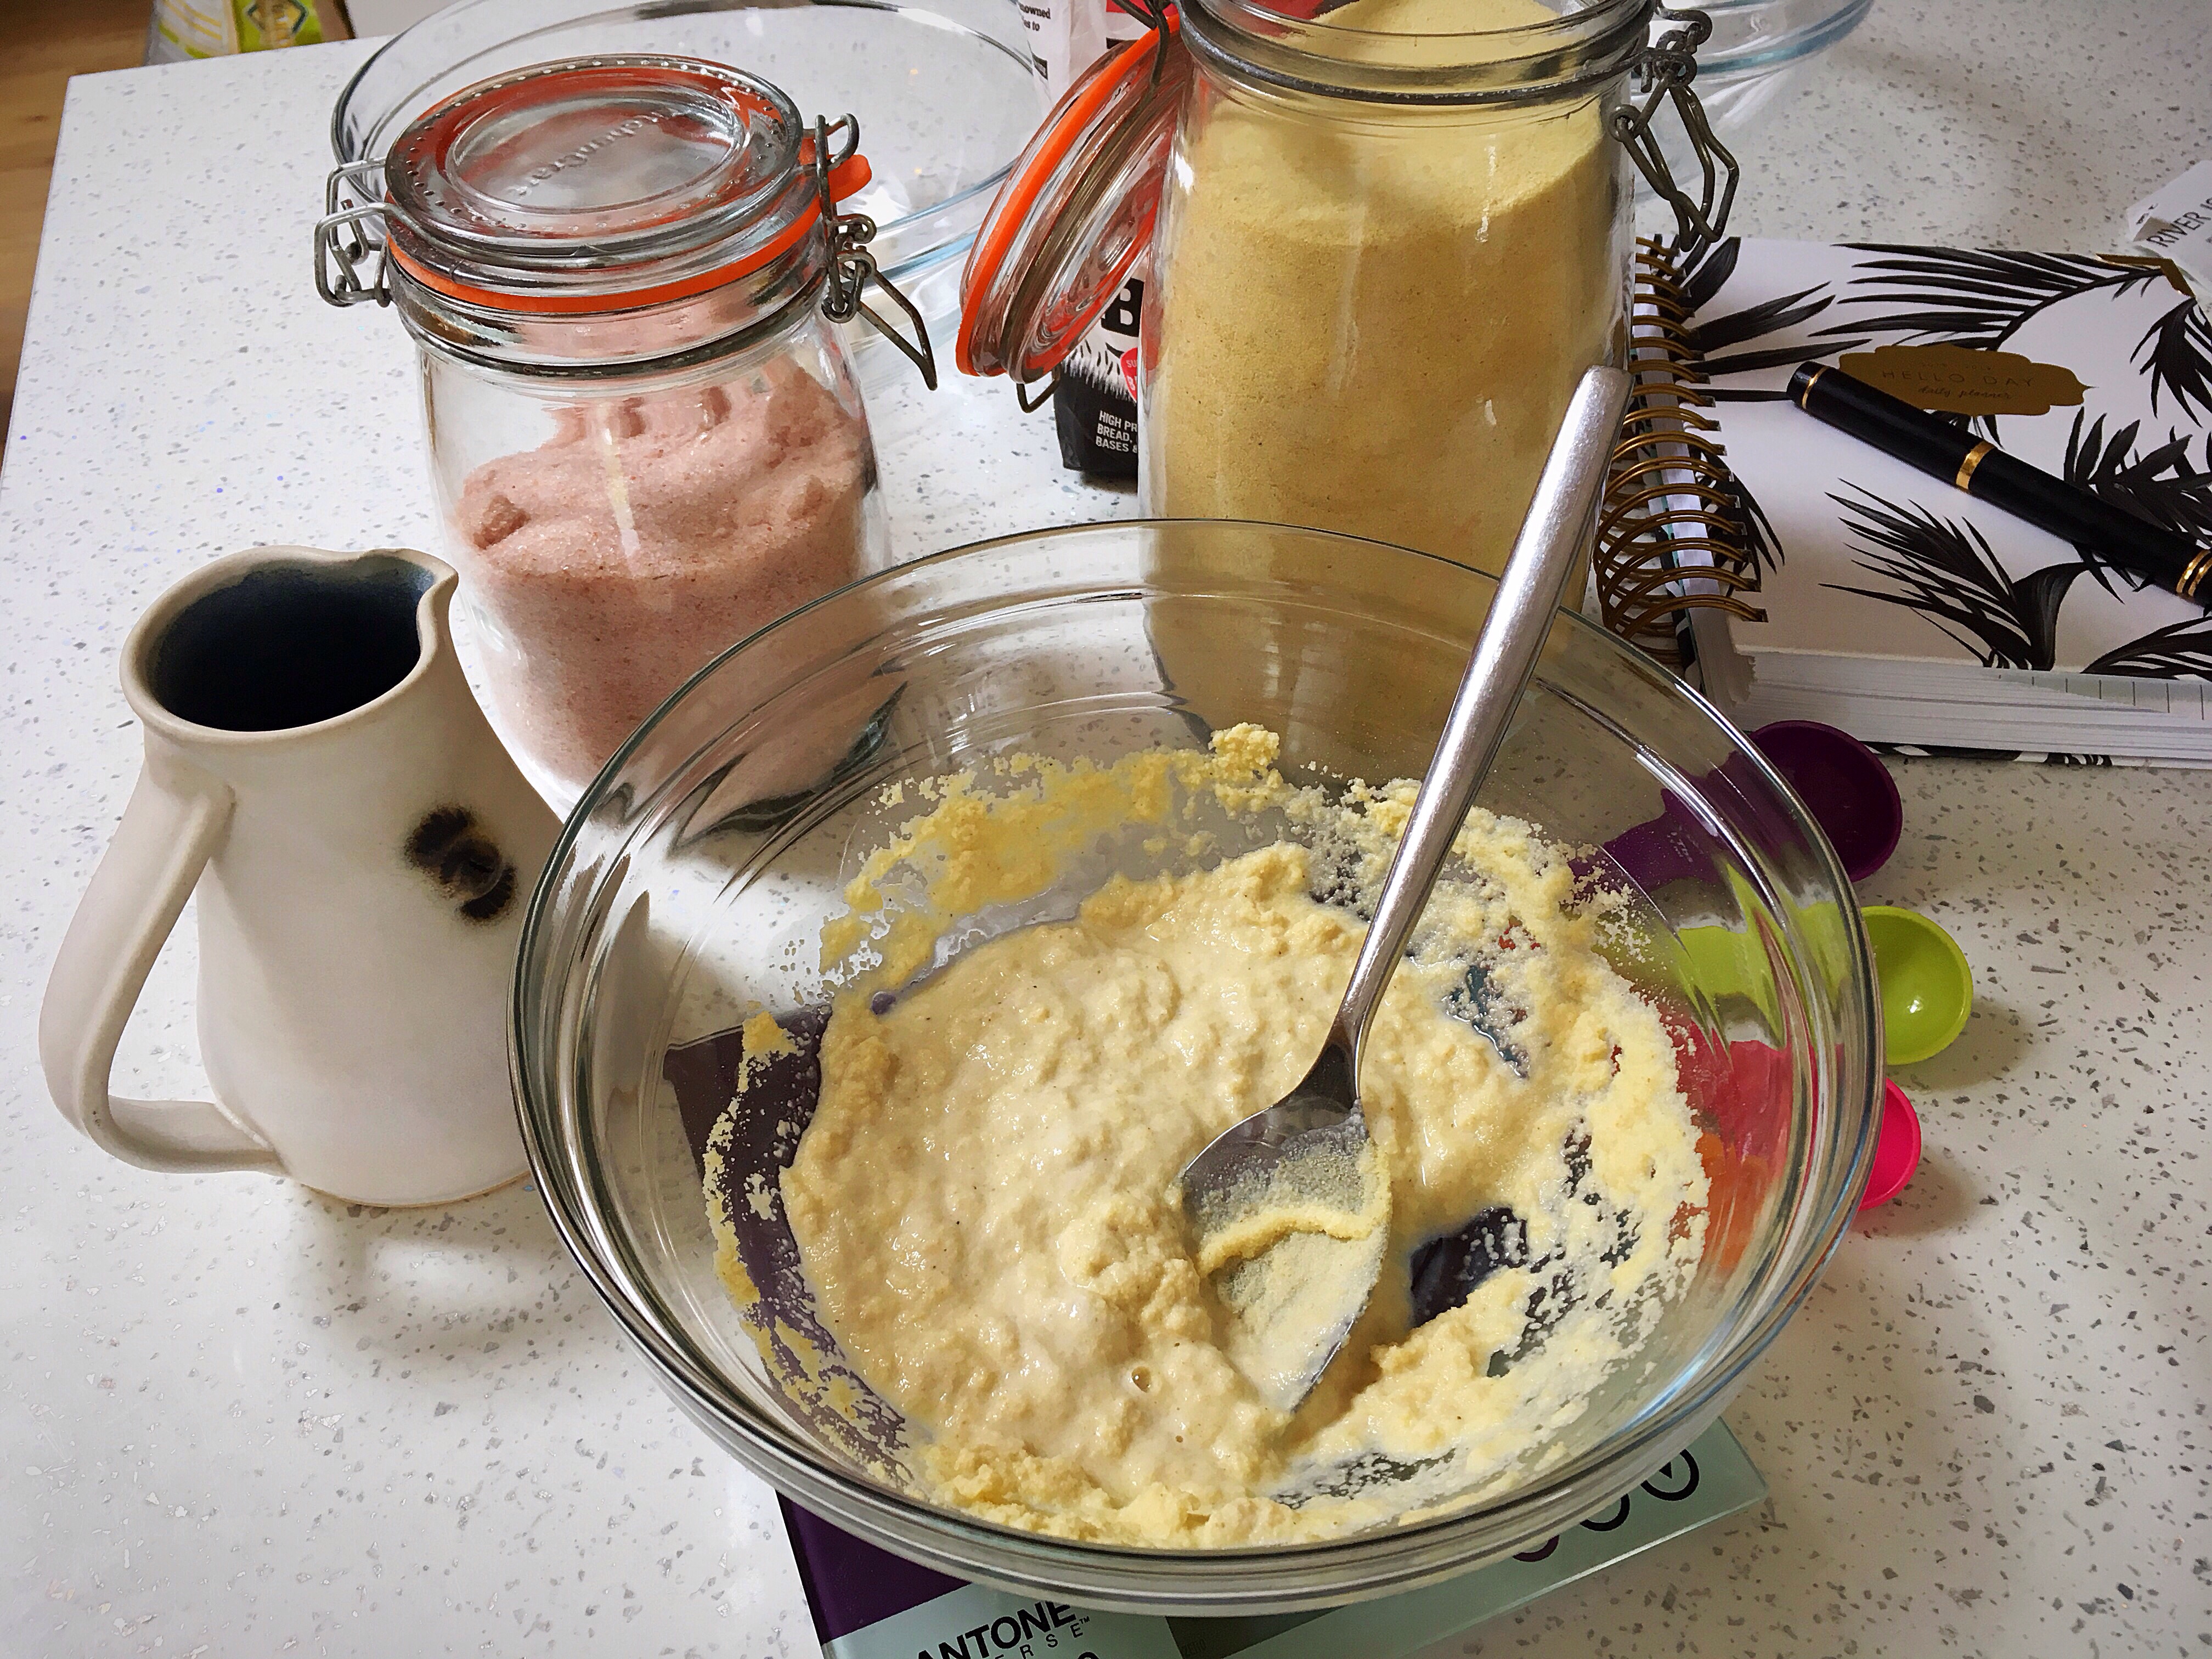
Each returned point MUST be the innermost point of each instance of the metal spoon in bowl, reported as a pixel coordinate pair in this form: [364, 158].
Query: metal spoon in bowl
[1290, 1212]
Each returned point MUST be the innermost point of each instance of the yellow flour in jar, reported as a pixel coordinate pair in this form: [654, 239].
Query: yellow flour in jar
[985, 1199]
[1370, 320]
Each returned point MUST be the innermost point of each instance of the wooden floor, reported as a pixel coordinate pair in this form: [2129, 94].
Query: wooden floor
[42, 44]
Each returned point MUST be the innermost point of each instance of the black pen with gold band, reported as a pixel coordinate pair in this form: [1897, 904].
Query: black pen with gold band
[1988, 474]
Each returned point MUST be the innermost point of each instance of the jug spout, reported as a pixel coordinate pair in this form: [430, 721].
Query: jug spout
[297, 640]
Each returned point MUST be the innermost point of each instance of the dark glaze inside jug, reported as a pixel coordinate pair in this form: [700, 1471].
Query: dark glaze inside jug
[291, 645]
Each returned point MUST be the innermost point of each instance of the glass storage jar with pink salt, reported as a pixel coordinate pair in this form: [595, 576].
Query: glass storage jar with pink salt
[645, 441]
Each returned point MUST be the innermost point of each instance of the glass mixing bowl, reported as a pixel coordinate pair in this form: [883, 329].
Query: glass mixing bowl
[689, 888]
[1759, 54]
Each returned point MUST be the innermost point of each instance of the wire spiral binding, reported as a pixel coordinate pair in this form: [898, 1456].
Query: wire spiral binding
[1671, 532]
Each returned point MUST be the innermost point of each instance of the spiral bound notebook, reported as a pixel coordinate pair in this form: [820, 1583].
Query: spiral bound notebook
[1678, 545]
[1835, 583]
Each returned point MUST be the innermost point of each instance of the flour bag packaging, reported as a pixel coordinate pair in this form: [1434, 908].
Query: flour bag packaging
[1094, 403]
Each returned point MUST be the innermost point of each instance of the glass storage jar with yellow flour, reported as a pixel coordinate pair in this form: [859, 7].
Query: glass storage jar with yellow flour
[1386, 240]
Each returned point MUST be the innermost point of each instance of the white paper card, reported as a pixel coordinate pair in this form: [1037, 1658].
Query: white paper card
[2175, 222]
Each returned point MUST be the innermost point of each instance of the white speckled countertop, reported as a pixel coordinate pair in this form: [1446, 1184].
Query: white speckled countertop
[240, 1420]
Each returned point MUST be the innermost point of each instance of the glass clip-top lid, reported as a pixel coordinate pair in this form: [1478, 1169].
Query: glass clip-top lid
[605, 160]
[1076, 210]
[592, 184]
[609, 182]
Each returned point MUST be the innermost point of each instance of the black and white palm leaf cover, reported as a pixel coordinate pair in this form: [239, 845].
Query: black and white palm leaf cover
[1869, 557]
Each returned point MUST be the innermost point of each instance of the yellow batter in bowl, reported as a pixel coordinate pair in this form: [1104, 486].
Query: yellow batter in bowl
[984, 1200]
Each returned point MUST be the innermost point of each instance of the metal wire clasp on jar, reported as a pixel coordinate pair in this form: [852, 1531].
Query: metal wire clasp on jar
[622, 276]
[1386, 240]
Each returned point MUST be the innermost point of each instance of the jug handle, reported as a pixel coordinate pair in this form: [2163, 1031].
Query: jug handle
[177, 817]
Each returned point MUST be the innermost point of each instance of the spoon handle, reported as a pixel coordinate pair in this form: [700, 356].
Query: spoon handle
[1545, 553]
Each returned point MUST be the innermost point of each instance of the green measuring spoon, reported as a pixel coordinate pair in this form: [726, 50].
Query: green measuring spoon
[1927, 989]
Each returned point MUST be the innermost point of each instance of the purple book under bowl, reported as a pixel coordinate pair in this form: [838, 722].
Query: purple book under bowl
[1843, 785]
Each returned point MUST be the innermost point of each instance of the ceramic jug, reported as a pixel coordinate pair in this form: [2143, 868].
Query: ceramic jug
[362, 850]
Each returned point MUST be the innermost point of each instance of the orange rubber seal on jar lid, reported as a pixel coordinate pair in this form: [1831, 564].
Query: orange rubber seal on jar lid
[849, 177]
[1112, 112]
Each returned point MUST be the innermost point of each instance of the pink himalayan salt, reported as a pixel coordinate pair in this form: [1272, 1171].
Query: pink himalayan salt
[647, 536]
